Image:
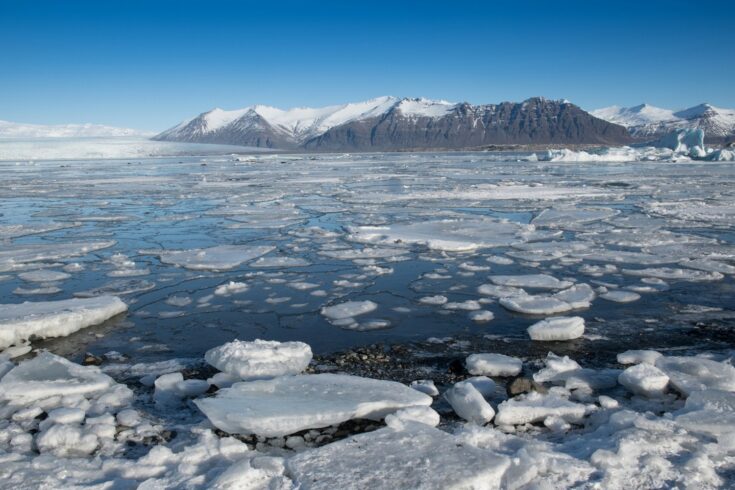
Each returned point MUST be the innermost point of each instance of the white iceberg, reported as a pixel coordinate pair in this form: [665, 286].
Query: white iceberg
[557, 328]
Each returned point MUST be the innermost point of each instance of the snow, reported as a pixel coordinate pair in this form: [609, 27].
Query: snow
[536, 407]
[412, 457]
[493, 365]
[290, 404]
[690, 374]
[260, 359]
[20, 322]
[557, 328]
[644, 379]
[221, 257]
[425, 107]
[634, 116]
[469, 403]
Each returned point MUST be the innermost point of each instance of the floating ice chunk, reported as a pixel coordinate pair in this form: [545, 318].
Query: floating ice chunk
[496, 291]
[425, 386]
[348, 309]
[709, 411]
[49, 375]
[468, 305]
[555, 365]
[230, 288]
[260, 359]
[536, 305]
[690, 374]
[469, 403]
[621, 296]
[44, 319]
[721, 155]
[481, 316]
[539, 281]
[178, 301]
[37, 291]
[493, 365]
[44, 275]
[302, 285]
[536, 407]
[638, 357]
[289, 404]
[578, 296]
[422, 415]
[557, 328]
[709, 265]
[644, 379]
[675, 274]
[451, 235]
[499, 260]
[66, 415]
[415, 456]
[564, 217]
[13, 255]
[281, 262]
[219, 258]
[433, 300]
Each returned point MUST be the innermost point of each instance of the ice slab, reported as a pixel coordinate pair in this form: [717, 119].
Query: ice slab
[49, 375]
[260, 359]
[416, 457]
[219, 258]
[13, 256]
[469, 403]
[557, 328]
[536, 305]
[493, 365]
[44, 275]
[535, 407]
[44, 319]
[618, 296]
[539, 281]
[348, 309]
[644, 379]
[690, 374]
[638, 356]
[709, 411]
[289, 404]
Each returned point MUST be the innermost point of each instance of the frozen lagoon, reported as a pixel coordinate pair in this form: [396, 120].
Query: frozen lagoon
[297, 235]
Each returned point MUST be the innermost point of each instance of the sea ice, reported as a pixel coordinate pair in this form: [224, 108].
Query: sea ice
[469, 403]
[260, 359]
[690, 374]
[539, 281]
[290, 404]
[644, 379]
[44, 275]
[557, 328]
[348, 309]
[20, 322]
[619, 296]
[535, 407]
[415, 456]
[219, 258]
[638, 357]
[493, 365]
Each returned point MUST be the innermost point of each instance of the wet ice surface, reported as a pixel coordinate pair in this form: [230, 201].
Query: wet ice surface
[340, 251]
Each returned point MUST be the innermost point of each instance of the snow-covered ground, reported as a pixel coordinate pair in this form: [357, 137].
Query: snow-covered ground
[166, 271]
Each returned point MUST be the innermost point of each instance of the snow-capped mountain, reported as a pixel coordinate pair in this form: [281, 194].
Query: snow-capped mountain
[22, 130]
[399, 123]
[646, 121]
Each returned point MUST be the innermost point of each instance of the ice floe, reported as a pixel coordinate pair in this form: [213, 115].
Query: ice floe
[557, 328]
[493, 365]
[260, 359]
[219, 258]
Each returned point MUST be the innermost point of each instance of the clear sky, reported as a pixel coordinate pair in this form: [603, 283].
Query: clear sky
[149, 64]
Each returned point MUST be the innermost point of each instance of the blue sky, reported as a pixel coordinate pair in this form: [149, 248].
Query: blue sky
[148, 64]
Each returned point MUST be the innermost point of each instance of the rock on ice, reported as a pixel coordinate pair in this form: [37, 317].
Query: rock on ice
[260, 359]
[289, 404]
[493, 365]
[415, 456]
[44, 319]
[557, 328]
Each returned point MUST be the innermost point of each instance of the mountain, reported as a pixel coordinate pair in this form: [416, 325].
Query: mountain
[648, 122]
[22, 130]
[390, 123]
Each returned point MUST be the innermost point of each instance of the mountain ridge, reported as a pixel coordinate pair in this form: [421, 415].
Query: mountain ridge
[392, 123]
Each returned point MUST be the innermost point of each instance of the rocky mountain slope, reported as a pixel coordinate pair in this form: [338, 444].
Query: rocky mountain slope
[390, 123]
